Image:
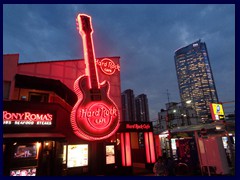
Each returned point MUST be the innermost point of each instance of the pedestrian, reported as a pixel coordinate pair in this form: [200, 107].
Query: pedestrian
[182, 169]
[159, 167]
[170, 166]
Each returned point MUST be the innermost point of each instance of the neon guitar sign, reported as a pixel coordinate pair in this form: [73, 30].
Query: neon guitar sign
[95, 116]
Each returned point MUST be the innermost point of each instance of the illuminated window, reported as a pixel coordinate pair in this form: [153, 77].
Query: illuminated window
[141, 140]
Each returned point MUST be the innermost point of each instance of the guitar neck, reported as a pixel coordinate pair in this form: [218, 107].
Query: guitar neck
[90, 62]
[84, 26]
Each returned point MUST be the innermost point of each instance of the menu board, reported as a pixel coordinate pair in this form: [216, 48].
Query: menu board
[110, 154]
[64, 154]
[225, 143]
[77, 155]
[173, 144]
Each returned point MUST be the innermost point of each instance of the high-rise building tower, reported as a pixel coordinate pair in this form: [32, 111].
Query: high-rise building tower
[195, 78]
[128, 105]
[142, 111]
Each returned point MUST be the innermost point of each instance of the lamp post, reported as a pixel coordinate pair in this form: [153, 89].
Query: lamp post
[169, 134]
[168, 124]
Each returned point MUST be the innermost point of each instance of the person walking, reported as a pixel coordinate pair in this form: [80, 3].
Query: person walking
[170, 166]
[159, 168]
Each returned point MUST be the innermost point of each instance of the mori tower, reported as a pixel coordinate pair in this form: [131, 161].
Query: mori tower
[195, 77]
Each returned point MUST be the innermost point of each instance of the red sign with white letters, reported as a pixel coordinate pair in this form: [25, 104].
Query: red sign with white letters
[27, 118]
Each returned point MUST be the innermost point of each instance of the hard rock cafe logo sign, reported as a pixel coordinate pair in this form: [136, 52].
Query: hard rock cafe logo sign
[138, 126]
[108, 66]
[98, 115]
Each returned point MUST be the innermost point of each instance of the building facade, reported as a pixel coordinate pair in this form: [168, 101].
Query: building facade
[195, 77]
[177, 116]
[142, 110]
[128, 105]
[38, 136]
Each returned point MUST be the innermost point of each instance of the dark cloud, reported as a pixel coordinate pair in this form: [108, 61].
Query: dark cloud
[144, 36]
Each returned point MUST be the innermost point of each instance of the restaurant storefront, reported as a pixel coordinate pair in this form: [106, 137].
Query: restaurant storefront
[32, 139]
[38, 136]
[38, 141]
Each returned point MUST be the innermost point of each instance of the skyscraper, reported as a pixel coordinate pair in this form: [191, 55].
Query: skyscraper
[128, 105]
[195, 78]
[142, 112]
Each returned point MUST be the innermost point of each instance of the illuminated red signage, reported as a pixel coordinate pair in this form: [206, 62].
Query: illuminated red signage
[138, 126]
[26, 118]
[95, 116]
[135, 127]
[98, 115]
[108, 66]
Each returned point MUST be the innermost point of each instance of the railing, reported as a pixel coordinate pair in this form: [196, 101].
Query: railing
[57, 99]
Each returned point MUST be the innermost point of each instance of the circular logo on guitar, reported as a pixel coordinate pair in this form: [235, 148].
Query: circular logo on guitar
[100, 115]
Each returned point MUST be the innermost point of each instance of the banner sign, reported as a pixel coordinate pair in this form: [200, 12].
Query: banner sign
[217, 111]
[27, 119]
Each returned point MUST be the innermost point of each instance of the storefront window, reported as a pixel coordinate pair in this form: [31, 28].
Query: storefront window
[141, 140]
[25, 151]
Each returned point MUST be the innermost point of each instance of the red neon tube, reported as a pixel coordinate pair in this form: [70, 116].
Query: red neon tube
[128, 149]
[147, 147]
[152, 150]
[123, 149]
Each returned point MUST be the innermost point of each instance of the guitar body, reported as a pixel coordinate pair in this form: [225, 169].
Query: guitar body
[95, 116]
[94, 119]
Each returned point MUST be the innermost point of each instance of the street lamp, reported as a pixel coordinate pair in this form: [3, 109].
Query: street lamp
[168, 122]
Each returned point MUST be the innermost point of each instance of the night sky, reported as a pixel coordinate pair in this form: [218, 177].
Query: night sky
[144, 36]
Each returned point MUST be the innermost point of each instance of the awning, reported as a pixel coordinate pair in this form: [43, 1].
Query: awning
[32, 82]
[193, 128]
[33, 135]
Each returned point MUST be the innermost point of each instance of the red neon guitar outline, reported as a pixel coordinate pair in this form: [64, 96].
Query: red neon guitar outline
[95, 116]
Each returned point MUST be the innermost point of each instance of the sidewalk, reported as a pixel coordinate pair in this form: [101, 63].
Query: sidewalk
[137, 171]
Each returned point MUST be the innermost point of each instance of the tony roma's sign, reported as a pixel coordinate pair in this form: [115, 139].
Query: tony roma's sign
[27, 119]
